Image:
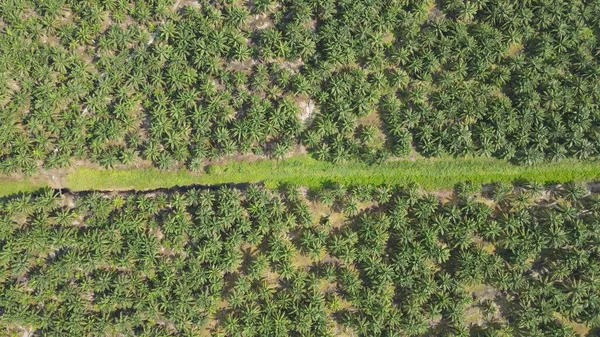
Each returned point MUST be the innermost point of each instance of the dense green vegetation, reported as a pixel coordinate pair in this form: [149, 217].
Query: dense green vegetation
[345, 123]
[183, 82]
[368, 261]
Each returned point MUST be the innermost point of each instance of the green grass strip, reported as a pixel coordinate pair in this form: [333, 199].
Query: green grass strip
[431, 174]
[9, 186]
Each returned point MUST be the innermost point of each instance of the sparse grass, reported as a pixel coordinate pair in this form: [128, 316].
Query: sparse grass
[580, 329]
[430, 174]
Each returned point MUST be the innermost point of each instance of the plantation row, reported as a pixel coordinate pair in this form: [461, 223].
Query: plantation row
[363, 261]
[182, 82]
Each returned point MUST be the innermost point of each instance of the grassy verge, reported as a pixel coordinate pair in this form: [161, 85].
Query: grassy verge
[11, 186]
[429, 173]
